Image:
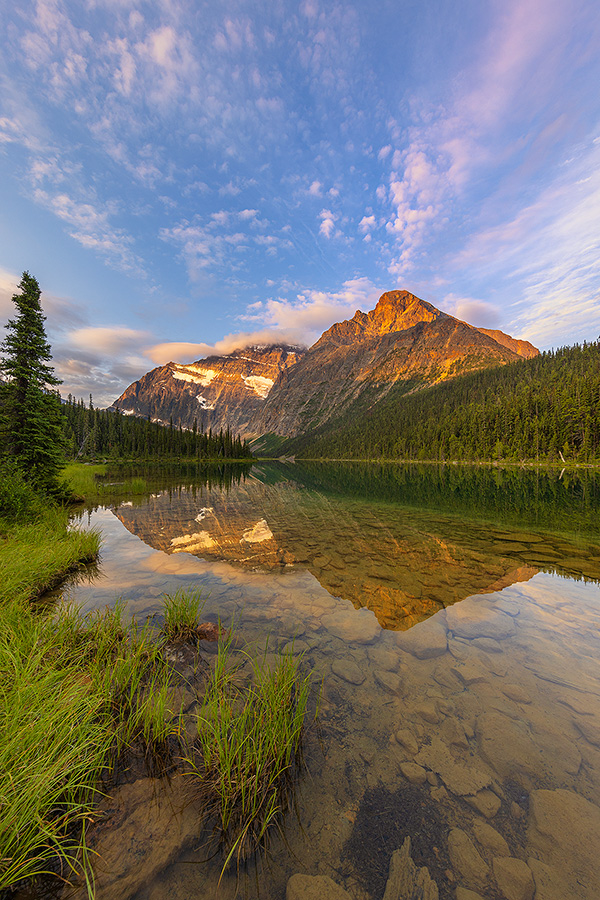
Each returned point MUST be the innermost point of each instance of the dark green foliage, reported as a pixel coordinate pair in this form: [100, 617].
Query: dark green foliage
[18, 500]
[93, 433]
[544, 409]
[31, 424]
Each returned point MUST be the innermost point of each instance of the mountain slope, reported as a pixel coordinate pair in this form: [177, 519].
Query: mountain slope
[545, 408]
[217, 392]
[404, 341]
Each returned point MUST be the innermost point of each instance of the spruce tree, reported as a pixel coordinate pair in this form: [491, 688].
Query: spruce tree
[32, 430]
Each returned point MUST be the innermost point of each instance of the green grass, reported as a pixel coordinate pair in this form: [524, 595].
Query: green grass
[77, 693]
[248, 747]
[182, 615]
[36, 556]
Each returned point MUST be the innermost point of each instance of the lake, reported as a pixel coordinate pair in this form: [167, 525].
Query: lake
[451, 616]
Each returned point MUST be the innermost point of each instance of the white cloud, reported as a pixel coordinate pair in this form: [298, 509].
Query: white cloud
[316, 189]
[327, 226]
[366, 223]
[311, 312]
[108, 341]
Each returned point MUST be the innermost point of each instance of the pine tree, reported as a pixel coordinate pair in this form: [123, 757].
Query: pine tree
[32, 430]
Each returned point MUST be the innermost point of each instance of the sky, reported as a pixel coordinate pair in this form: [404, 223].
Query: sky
[187, 177]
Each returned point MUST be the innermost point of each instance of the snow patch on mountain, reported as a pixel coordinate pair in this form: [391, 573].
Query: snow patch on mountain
[202, 376]
[259, 384]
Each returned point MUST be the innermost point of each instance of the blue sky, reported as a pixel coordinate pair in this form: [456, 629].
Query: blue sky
[185, 177]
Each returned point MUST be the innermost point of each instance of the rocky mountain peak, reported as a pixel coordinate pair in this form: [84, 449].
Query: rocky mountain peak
[395, 311]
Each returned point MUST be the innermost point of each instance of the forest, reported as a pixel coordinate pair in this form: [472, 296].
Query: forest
[545, 409]
[91, 433]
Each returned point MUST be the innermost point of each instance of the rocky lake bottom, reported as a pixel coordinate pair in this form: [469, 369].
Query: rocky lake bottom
[460, 706]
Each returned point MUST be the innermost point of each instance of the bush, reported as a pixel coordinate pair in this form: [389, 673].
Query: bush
[18, 500]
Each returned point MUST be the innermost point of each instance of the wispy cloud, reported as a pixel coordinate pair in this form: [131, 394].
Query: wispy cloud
[480, 313]
[226, 239]
[480, 125]
[546, 259]
[300, 321]
[90, 226]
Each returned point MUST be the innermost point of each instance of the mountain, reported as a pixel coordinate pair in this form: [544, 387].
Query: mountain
[217, 392]
[546, 408]
[354, 364]
[405, 343]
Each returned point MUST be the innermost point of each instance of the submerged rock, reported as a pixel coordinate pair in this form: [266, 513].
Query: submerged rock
[406, 881]
[425, 641]
[476, 618]
[514, 878]
[314, 887]
[466, 859]
[348, 670]
[151, 822]
[564, 828]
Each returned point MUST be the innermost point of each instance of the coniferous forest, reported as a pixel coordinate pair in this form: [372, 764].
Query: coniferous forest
[544, 409]
[91, 433]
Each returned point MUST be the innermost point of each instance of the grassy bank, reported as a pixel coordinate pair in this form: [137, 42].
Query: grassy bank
[37, 548]
[80, 696]
[75, 693]
[36, 556]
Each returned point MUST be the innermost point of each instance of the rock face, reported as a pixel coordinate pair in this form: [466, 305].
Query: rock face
[287, 391]
[523, 348]
[217, 392]
[404, 339]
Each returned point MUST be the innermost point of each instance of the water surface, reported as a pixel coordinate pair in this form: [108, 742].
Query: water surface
[452, 615]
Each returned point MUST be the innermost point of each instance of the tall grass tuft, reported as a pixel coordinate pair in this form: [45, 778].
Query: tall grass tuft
[247, 749]
[53, 744]
[77, 694]
[181, 615]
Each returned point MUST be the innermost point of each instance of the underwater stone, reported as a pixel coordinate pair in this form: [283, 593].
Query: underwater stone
[490, 838]
[406, 881]
[348, 671]
[466, 859]
[425, 640]
[314, 887]
[413, 773]
[514, 878]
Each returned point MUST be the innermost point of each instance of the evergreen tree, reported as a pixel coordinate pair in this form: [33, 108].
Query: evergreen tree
[32, 426]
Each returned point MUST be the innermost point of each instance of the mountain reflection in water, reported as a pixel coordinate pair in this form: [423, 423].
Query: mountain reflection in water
[404, 541]
[476, 733]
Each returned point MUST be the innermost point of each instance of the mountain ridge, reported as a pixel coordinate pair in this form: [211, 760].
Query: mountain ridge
[286, 390]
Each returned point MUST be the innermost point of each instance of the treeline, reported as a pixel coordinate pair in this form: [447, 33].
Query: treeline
[546, 409]
[90, 433]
